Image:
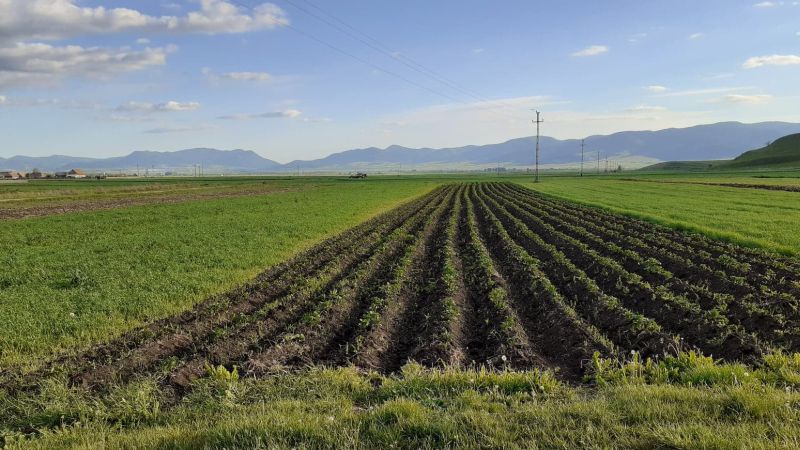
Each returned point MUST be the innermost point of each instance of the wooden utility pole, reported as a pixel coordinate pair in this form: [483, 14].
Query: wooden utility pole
[537, 122]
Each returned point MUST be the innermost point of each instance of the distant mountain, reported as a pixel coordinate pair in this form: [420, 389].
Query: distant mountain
[703, 142]
[225, 160]
[782, 153]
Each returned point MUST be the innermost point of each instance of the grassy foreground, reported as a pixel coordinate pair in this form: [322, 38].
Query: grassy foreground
[73, 280]
[752, 217]
[686, 401]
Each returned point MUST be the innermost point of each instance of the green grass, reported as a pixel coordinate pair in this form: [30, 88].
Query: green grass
[753, 217]
[72, 280]
[342, 408]
[783, 153]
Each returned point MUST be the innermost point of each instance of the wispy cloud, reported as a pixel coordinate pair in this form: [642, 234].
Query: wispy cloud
[49, 102]
[634, 38]
[177, 129]
[700, 92]
[288, 114]
[246, 76]
[770, 4]
[592, 50]
[771, 60]
[696, 36]
[146, 107]
[646, 109]
[655, 89]
[746, 99]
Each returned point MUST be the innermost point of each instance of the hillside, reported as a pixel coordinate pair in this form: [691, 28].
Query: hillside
[783, 153]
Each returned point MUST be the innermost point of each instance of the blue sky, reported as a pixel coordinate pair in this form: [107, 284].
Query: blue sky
[103, 78]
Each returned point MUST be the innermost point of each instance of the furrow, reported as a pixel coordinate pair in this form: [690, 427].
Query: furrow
[537, 302]
[325, 333]
[710, 332]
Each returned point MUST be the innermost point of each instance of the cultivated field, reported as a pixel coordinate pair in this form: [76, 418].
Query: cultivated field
[477, 314]
[475, 274]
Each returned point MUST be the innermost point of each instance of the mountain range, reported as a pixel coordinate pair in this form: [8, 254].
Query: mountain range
[703, 142]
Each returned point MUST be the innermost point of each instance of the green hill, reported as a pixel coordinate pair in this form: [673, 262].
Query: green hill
[783, 153]
[685, 166]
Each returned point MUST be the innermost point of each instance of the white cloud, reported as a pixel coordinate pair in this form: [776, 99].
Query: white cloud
[143, 41]
[287, 113]
[3, 99]
[25, 64]
[655, 89]
[246, 76]
[58, 19]
[170, 106]
[771, 60]
[592, 50]
[696, 36]
[746, 99]
[478, 50]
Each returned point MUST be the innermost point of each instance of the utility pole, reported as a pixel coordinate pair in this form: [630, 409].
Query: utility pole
[598, 163]
[606, 163]
[583, 142]
[537, 122]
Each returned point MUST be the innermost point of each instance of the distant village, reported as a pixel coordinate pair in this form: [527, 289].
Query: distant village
[36, 174]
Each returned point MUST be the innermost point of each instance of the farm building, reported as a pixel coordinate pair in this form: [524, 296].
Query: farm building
[9, 175]
[76, 173]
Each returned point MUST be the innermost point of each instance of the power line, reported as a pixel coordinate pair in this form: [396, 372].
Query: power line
[356, 57]
[379, 47]
[382, 49]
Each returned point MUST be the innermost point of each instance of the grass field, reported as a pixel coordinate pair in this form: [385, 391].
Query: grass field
[528, 315]
[753, 217]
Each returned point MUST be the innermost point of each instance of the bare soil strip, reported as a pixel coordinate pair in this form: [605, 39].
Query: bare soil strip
[76, 206]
